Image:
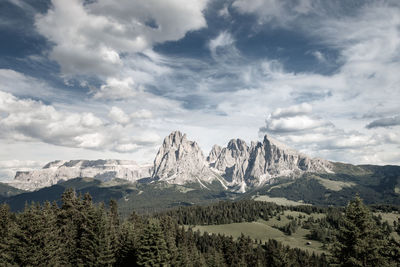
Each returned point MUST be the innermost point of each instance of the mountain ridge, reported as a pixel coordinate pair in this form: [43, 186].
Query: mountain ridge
[237, 167]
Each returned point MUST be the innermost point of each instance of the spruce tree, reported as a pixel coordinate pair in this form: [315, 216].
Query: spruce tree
[152, 249]
[127, 244]
[360, 242]
[6, 228]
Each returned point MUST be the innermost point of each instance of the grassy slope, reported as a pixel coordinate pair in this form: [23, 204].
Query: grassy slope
[375, 185]
[264, 230]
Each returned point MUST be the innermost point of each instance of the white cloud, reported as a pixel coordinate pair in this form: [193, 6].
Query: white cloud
[142, 114]
[319, 56]
[296, 110]
[295, 119]
[90, 37]
[126, 148]
[278, 11]
[29, 120]
[106, 39]
[222, 40]
[8, 168]
[297, 126]
[119, 116]
[293, 124]
[116, 89]
[91, 140]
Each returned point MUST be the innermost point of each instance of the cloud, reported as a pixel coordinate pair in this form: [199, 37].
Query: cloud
[292, 111]
[384, 122]
[277, 11]
[119, 116]
[142, 114]
[17, 83]
[293, 119]
[8, 168]
[29, 120]
[319, 56]
[90, 37]
[293, 124]
[116, 89]
[296, 125]
[224, 12]
[222, 40]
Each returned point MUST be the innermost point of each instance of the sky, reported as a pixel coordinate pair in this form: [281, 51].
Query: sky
[101, 79]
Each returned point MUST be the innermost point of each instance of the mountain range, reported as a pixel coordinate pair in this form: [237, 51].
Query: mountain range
[181, 175]
[237, 167]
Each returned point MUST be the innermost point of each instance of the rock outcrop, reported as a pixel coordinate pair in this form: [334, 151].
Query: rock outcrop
[181, 161]
[253, 166]
[232, 162]
[62, 170]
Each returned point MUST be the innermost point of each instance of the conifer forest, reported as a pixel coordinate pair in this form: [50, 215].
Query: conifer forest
[81, 233]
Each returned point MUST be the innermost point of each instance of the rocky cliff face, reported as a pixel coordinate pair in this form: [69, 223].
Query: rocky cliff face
[104, 170]
[180, 161]
[243, 166]
[232, 162]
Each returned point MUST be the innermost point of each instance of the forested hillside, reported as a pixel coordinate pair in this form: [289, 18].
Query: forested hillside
[86, 234]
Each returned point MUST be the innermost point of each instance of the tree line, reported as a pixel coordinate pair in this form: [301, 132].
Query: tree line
[225, 212]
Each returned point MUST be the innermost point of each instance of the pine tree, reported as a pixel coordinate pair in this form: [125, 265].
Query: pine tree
[127, 245]
[152, 249]
[113, 226]
[34, 240]
[51, 237]
[360, 242]
[68, 219]
[6, 228]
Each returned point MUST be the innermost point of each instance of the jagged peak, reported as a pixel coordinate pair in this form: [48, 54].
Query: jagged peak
[176, 137]
[216, 148]
[237, 144]
[273, 141]
[214, 153]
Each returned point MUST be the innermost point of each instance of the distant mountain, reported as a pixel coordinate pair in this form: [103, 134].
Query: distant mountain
[7, 190]
[61, 170]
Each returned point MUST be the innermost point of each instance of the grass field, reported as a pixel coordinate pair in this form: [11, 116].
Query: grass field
[264, 230]
[279, 200]
[333, 185]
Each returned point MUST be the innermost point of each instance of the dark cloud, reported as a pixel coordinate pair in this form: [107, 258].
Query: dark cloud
[384, 122]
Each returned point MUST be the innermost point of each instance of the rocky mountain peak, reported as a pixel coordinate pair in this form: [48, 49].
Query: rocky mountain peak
[237, 145]
[214, 153]
[243, 166]
[180, 161]
[174, 139]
